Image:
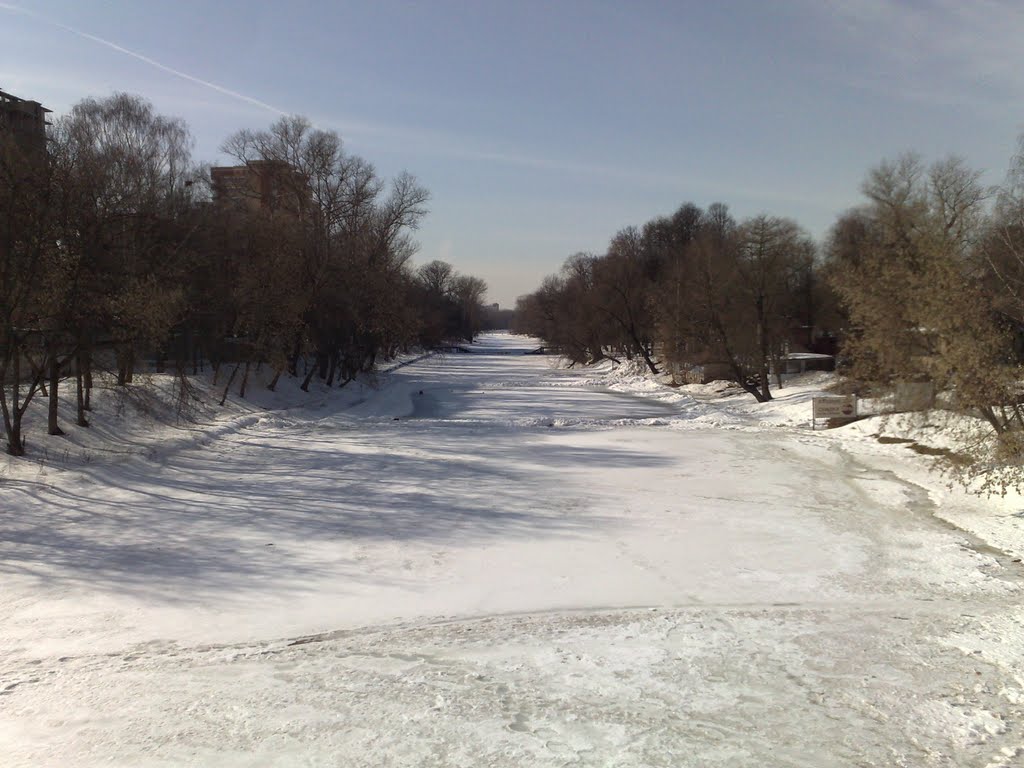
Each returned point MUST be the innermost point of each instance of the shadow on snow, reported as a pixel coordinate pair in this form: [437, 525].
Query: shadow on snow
[201, 521]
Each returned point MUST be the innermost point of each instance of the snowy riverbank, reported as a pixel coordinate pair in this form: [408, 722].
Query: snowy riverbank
[998, 520]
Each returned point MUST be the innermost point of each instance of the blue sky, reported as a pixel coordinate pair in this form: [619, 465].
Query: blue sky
[541, 128]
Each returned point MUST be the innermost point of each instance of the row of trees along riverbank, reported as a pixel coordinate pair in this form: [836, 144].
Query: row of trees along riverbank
[115, 248]
[923, 282]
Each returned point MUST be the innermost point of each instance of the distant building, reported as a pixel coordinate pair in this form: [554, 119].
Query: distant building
[261, 185]
[24, 119]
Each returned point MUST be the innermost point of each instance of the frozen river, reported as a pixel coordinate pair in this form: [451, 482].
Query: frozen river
[492, 562]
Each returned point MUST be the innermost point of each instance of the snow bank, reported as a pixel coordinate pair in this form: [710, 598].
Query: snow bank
[886, 441]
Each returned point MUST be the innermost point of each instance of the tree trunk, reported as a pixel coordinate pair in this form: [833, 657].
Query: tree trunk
[272, 386]
[311, 371]
[4, 405]
[332, 368]
[744, 381]
[87, 378]
[293, 360]
[738, 373]
[231, 380]
[988, 413]
[15, 442]
[52, 426]
[14, 411]
[636, 344]
[80, 392]
[762, 339]
[648, 360]
[765, 382]
[245, 380]
[125, 366]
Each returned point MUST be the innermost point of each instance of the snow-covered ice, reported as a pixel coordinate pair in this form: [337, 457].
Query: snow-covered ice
[493, 561]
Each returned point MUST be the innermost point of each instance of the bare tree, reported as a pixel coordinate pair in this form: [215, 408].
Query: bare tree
[911, 278]
[469, 293]
[355, 242]
[894, 261]
[770, 255]
[625, 295]
[26, 255]
[124, 178]
[436, 276]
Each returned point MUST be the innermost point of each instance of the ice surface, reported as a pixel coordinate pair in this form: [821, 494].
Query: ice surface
[490, 560]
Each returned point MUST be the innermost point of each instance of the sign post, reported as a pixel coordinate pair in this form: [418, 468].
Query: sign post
[833, 408]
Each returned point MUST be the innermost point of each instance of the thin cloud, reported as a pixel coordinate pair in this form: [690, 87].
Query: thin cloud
[448, 146]
[466, 148]
[684, 177]
[948, 52]
[432, 143]
[145, 59]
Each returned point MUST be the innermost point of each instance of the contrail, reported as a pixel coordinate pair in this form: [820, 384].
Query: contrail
[152, 62]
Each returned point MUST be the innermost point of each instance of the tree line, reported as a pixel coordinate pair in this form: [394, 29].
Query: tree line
[921, 283]
[116, 249]
[693, 288]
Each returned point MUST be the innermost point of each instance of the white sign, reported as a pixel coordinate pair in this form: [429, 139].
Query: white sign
[835, 407]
